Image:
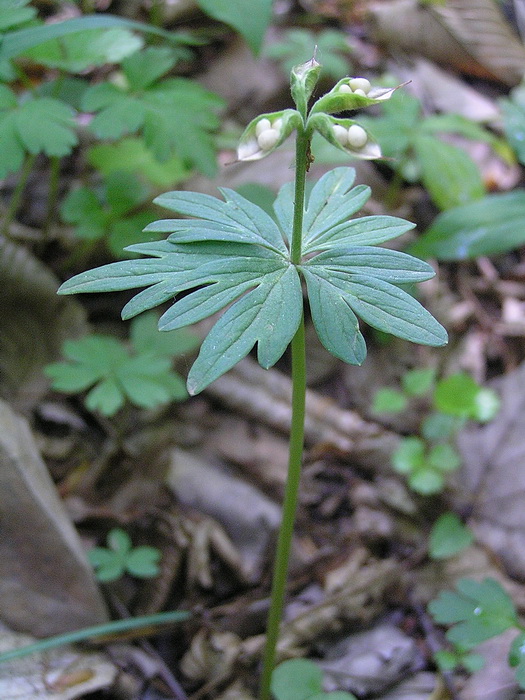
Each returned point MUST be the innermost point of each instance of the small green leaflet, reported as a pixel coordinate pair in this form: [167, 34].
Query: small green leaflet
[142, 375]
[479, 610]
[37, 125]
[249, 18]
[233, 254]
[120, 557]
[174, 115]
[77, 52]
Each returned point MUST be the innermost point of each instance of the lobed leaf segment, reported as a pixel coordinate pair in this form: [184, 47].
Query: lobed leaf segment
[233, 254]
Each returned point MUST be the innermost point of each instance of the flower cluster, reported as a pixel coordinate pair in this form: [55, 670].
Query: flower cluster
[268, 131]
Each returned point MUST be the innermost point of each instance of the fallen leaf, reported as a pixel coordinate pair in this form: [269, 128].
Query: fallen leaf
[493, 477]
[46, 584]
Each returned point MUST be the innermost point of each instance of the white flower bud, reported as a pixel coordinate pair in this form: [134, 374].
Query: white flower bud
[345, 88]
[357, 136]
[248, 149]
[341, 134]
[268, 138]
[262, 125]
[278, 124]
[360, 84]
[360, 92]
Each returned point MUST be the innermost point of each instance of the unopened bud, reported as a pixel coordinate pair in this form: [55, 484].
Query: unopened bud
[360, 84]
[268, 138]
[357, 136]
[345, 88]
[341, 134]
[262, 125]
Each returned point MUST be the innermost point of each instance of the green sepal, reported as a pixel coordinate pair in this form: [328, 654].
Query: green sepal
[249, 149]
[324, 124]
[336, 101]
[303, 80]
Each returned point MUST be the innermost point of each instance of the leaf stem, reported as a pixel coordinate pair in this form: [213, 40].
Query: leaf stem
[16, 197]
[298, 346]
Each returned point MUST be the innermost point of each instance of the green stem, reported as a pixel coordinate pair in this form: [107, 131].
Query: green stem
[298, 346]
[302, 150]
[17, 194]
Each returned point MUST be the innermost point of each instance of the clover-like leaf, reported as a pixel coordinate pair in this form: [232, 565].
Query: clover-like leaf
[116, 373]
[110, 211]
[119, 557]
[479, 610]
[175, 115]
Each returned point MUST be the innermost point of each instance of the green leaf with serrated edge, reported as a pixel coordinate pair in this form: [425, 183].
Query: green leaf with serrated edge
[71, 378]
[448, 537]
[385, 307]
[46, 125]
[175, 115]
[296, 679]
[251, 319]
[147, 66]
[98, 351]
[236, 219]
[388, 265]
[335, 322]
[250, 19]
[487, 226]
[482, 610]
[449, 174]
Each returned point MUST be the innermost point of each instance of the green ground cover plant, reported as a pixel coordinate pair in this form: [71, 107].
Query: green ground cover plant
[426, 459]
[231, 254]
[121, 557]
[477, 611]
[115, 372]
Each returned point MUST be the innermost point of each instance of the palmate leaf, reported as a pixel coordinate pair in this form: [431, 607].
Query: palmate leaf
[175, 115]
[233, 254]
[38, 125]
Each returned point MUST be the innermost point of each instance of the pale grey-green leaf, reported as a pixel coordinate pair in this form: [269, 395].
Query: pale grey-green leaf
[388, 265]
[367, 230]
[335, 322]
